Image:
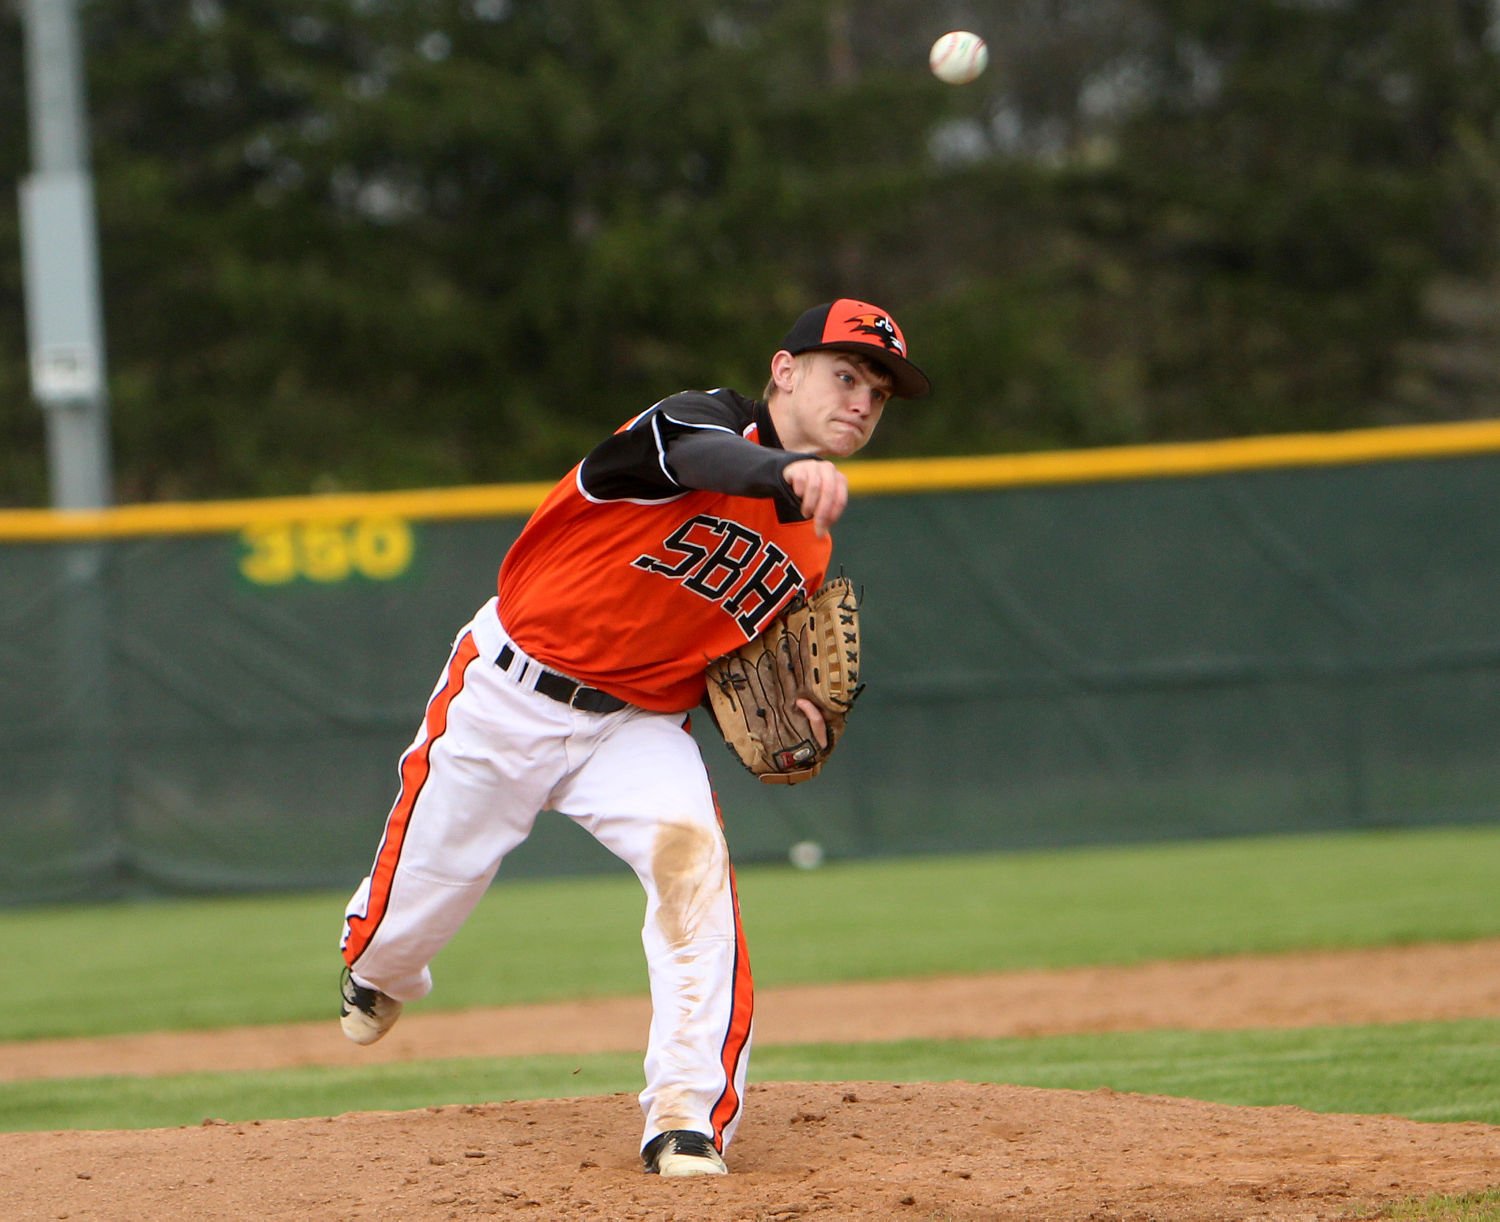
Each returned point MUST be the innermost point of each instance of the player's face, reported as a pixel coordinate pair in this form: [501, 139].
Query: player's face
[834, 403]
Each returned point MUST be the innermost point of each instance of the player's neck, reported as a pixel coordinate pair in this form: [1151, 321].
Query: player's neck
[789, 432]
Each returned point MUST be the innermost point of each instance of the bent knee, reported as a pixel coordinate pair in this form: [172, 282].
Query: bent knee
[690, 873]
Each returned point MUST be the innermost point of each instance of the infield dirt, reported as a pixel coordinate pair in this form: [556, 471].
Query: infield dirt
[869, 1150]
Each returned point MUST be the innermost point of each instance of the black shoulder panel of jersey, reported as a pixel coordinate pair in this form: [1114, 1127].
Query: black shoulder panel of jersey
[636, 463]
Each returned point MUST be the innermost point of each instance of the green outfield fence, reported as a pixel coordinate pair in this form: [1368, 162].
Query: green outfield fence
[1226, 638]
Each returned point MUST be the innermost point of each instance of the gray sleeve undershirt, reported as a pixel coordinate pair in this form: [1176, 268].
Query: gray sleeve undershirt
[722, 462]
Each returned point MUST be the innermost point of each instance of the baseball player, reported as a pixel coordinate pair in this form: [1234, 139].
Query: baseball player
[673, 542]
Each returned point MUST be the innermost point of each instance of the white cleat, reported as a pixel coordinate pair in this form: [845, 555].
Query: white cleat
[365, 1014]
[681, 1152]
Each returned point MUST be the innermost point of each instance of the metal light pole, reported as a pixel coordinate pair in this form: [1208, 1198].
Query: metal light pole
[65, 334]
[60, 255]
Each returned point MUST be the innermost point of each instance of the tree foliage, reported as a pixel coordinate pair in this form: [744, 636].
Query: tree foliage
[383, 243]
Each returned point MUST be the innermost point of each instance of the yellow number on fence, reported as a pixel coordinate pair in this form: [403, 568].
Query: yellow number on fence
[326, 551]
[382, 547]
[272, 558]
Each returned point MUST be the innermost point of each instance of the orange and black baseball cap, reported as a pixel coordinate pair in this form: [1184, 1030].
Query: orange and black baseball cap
[847, 325]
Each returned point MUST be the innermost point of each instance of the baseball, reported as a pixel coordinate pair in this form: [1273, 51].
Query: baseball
[958, 57]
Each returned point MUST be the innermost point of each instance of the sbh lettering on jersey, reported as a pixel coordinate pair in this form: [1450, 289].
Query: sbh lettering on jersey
[712, 556]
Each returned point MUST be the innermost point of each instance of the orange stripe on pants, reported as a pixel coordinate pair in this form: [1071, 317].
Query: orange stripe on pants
[414, 771]
[737, 1039]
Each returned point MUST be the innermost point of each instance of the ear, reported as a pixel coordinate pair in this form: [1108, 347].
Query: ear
[783, 370]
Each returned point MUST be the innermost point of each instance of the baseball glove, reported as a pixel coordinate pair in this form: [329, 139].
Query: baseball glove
[809, 652]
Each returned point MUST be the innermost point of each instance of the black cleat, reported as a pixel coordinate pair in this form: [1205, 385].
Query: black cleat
[682, 1152]
[365, 1013]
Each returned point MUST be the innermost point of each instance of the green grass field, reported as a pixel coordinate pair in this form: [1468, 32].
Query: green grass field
[223, 962]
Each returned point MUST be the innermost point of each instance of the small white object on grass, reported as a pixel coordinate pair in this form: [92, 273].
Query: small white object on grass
[806, 854]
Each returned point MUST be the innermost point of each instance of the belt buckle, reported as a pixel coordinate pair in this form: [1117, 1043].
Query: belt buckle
[578, 690]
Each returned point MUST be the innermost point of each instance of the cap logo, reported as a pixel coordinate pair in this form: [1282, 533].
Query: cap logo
[875, 324]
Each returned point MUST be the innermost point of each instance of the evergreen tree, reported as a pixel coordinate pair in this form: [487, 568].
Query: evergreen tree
[416, 242]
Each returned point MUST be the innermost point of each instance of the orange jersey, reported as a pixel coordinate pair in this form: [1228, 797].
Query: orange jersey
[632, 582]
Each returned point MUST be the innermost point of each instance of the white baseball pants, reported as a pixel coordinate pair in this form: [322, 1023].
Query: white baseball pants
[490, 755]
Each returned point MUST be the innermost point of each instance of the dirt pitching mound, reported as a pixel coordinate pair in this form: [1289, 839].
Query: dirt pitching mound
[867, 1150]
[929, 1152]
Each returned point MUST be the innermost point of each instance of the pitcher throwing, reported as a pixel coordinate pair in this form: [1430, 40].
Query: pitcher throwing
[674, 541]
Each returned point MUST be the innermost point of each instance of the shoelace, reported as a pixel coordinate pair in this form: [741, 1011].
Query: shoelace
[692, 1143]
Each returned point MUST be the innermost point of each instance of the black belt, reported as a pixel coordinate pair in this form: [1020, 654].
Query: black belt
[564, 690]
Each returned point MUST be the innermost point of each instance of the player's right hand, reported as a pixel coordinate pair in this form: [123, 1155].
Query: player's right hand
[821, 488]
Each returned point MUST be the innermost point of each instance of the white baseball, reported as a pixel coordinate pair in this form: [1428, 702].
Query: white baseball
[958, 57]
